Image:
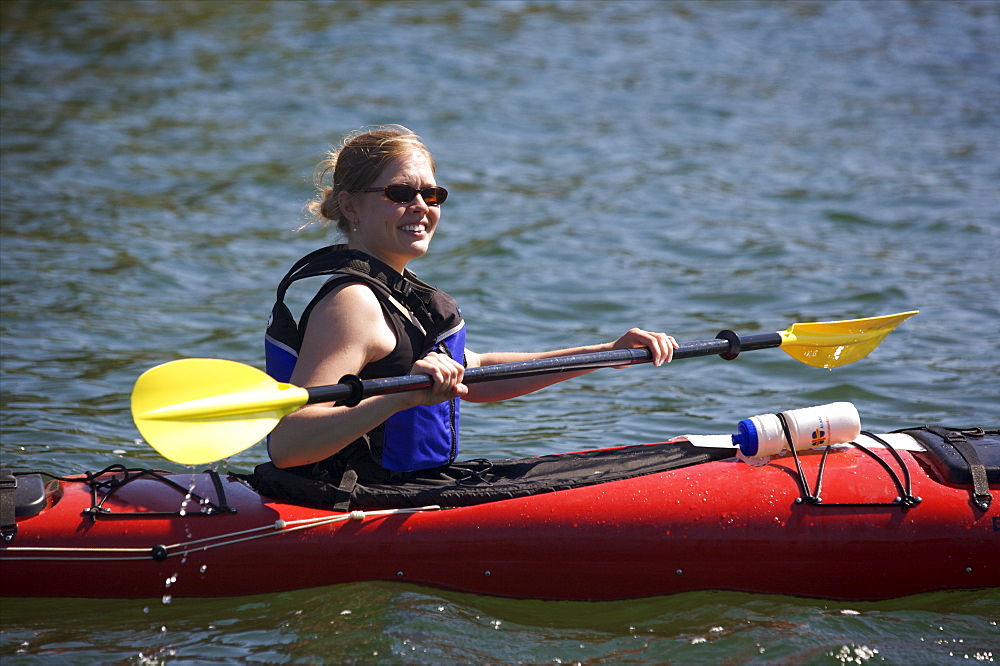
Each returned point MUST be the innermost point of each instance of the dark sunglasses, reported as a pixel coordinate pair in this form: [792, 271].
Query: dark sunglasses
[404, 194]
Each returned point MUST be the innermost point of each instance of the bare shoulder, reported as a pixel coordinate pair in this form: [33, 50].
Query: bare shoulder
[352, 299]
[346, 331]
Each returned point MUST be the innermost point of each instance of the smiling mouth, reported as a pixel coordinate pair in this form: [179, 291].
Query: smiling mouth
[414, 228]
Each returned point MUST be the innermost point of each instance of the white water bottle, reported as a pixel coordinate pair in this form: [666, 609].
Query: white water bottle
[762, 435]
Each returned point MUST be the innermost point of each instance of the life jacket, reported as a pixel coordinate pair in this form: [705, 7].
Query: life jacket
[413, 439]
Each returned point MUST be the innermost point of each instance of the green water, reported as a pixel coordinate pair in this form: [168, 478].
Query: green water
[682, 166]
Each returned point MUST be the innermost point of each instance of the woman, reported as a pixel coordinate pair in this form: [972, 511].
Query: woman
[375, 319]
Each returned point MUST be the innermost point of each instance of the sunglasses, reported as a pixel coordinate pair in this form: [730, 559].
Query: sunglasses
[404, 194]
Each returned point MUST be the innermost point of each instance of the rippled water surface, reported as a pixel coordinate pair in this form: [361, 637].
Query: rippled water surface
[682, 166]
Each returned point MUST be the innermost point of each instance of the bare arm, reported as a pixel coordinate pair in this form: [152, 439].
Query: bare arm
[347, 330]
[661, 344]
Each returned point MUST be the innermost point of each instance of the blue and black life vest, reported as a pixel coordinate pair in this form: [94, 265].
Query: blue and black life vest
[418, 438]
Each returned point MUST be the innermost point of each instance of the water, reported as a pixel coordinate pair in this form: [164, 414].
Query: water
[679, 166]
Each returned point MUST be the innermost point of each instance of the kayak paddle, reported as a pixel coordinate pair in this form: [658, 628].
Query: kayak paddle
[196, 411]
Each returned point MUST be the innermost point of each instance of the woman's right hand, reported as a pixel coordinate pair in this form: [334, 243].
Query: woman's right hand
[447, 375]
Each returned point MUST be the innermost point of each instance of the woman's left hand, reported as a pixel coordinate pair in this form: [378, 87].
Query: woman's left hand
[661, 345]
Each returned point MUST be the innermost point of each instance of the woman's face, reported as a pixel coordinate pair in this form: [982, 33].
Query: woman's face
[390, 231]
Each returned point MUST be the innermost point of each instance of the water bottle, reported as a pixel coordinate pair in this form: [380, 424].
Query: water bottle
[762, 435]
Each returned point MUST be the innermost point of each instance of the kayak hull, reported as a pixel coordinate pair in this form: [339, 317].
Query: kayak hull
[721, 525]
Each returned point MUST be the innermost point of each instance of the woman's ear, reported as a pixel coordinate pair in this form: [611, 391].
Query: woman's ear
[348, 207]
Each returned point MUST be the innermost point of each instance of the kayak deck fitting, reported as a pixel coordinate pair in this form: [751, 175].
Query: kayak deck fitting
[844, 522]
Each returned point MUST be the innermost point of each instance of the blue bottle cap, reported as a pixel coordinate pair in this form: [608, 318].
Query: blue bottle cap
[746, 437]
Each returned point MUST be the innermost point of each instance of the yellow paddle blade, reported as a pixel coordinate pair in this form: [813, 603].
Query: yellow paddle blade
[199, 410]
[831, 344]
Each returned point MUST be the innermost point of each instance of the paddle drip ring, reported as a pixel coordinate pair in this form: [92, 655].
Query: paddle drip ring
[734, 344]
[357, 387]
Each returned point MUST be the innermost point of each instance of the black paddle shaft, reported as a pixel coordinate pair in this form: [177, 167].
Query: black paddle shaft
[351, 390]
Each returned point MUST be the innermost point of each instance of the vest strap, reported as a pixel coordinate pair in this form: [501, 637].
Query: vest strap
[406, 288]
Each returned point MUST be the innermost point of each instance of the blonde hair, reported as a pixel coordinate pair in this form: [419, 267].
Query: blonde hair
[355, 164]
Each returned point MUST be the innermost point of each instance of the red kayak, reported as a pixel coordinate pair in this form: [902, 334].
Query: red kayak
[873, 522]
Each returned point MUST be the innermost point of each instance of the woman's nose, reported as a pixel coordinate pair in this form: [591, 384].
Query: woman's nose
[419, 202]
